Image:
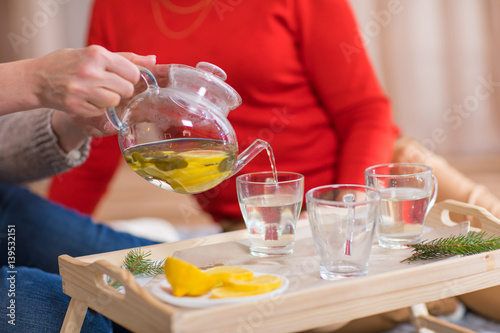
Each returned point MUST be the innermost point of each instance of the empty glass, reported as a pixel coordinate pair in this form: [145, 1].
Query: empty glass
[343, 220]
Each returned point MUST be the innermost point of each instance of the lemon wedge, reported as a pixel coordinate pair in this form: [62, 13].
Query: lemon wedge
[187, 279]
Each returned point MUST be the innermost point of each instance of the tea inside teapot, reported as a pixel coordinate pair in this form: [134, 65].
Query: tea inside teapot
[184, 165]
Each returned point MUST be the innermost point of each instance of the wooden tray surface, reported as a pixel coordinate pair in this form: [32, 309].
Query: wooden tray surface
[308, 302]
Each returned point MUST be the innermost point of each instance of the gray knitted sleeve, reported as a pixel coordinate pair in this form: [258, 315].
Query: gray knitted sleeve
[29, 149]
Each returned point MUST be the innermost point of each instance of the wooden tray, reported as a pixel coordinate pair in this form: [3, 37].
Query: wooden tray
[309, 301]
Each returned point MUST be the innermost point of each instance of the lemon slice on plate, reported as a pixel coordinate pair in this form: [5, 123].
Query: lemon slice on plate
[241, 288]
[222, 274]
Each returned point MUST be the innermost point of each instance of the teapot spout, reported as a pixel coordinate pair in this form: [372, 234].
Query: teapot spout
[253, 150]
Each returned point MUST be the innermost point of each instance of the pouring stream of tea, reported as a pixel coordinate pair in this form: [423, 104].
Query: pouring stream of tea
[270, 153]
[271, 229]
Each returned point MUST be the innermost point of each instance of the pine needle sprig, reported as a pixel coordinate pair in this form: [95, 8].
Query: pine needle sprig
[468, 244]
[138, 262]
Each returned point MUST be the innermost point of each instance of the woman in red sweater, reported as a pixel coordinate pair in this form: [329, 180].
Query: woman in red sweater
[306, 82]
[299, 65]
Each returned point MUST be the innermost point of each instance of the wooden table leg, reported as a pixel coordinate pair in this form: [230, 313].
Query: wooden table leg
[425, 323]
[75, 315]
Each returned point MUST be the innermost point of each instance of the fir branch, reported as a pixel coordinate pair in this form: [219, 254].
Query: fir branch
[139, 263]
[468, 244]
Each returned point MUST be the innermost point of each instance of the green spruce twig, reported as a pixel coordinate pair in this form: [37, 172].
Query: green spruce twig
[470, 243]
[138, 262]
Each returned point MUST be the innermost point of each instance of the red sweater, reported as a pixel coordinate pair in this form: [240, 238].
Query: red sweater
[306, 83]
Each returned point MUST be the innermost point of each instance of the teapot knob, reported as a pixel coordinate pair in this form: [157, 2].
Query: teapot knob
[212, 69]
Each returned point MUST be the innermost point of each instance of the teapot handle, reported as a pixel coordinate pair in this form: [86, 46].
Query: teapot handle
[111, 112]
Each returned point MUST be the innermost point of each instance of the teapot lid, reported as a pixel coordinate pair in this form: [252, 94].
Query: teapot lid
[206, 80]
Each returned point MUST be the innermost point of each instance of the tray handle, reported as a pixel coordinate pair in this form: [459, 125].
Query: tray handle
[125, 278]
[133, 290]
[480, 218]
[85, 283]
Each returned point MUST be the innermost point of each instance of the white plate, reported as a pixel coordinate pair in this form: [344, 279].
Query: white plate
[163, 289]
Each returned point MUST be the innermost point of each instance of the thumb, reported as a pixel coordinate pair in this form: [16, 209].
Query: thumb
[108, 128]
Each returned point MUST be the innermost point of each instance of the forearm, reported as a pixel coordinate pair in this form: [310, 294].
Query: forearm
[18, 86]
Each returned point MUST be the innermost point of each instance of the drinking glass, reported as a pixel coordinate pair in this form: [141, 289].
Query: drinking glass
[270, 209]
[408, 191]
[343, 220]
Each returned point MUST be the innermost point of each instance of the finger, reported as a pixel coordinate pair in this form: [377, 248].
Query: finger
[100, 92]
[90, 110]
[80, 106]
[147, 61]
[161, 74]
[108, 128]
[122, 67]
[103, 97]
[125, 68]
[114, 83]
[160, 70]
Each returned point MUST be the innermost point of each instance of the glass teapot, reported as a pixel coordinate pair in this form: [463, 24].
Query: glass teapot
[178, 137]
